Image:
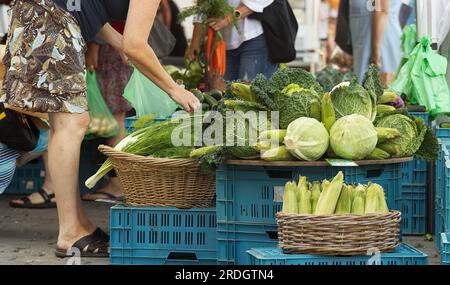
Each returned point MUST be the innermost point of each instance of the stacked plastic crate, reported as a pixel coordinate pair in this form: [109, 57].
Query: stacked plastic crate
[442, 201]
[411, 201]
[248, 197]
[162, 236]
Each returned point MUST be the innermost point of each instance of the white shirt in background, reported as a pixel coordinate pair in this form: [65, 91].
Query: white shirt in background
[249, 28]
[324, 16]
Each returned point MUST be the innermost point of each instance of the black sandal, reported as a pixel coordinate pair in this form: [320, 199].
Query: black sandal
[27, 204]
[102, 235]
[89, 246]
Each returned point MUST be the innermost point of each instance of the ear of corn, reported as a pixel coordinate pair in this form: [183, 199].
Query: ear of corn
[344, 203]
[277, 154]
[315, 110]
[387, 97]
[262, 145]
[383, 207]
[372, 199]
[304, 197]
[384, 109]
[358, 205]
[378, 154]
[331, 192]
[384, 134]
[315, 194]
[243, 91]
[199, 152]
[351, 191]
[290, 205]
[328, 115]
[273, 135]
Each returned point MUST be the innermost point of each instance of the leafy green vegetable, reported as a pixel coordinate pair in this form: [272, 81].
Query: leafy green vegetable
[154, 140]
[353, 137]
[352, 98]
[329, 77]
[267, 89]
[411, 137]
[263, 90]
[298, 104]
[372, 82]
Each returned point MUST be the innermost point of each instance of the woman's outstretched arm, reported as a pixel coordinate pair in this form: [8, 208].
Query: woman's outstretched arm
[141, 15]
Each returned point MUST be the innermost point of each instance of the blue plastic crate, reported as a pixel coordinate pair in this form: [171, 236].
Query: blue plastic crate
[438, 227]
[129, 121]
[422, 115]
[415, 172]
[233, 240]
[162, 236]
[27, 179]
[403, 255]
[253, 194]
[442, 133]
[30, 177]
[412, 204]
[445, 248]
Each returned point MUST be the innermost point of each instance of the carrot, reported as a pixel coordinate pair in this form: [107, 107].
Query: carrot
[209, 42]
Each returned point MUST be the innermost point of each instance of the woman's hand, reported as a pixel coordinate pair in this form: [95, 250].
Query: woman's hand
[92, 56]
[194, 48]
[219, 24]
[376, 59]
[185, 98]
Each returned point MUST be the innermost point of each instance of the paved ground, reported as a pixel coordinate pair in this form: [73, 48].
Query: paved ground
[28, 236]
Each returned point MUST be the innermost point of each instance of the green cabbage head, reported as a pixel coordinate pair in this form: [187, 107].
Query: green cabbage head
[306, 139]
[352, 98]
[410, 140]
[353, 137]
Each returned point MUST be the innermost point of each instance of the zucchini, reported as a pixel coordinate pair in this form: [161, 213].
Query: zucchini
[209, 100]
[198, 94]
[216, 94]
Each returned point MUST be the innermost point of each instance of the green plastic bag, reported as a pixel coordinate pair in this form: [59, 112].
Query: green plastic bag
[103, 124]
[147, 98]
[408, 43]
[422, 79]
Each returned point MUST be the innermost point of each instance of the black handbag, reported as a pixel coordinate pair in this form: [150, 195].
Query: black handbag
[280, 30]
[17, 130]
[161, 39]
[343, 34]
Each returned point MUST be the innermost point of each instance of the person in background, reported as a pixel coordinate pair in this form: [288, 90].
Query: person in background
[247, 53]
[376, 37]
[48, 76]
[324, 15]
[8, 158]
[168, 13]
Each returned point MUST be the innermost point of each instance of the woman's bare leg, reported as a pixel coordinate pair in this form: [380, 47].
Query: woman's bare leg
[68, 131]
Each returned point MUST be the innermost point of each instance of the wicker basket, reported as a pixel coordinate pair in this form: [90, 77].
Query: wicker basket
[338, 234]
[161, 182]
